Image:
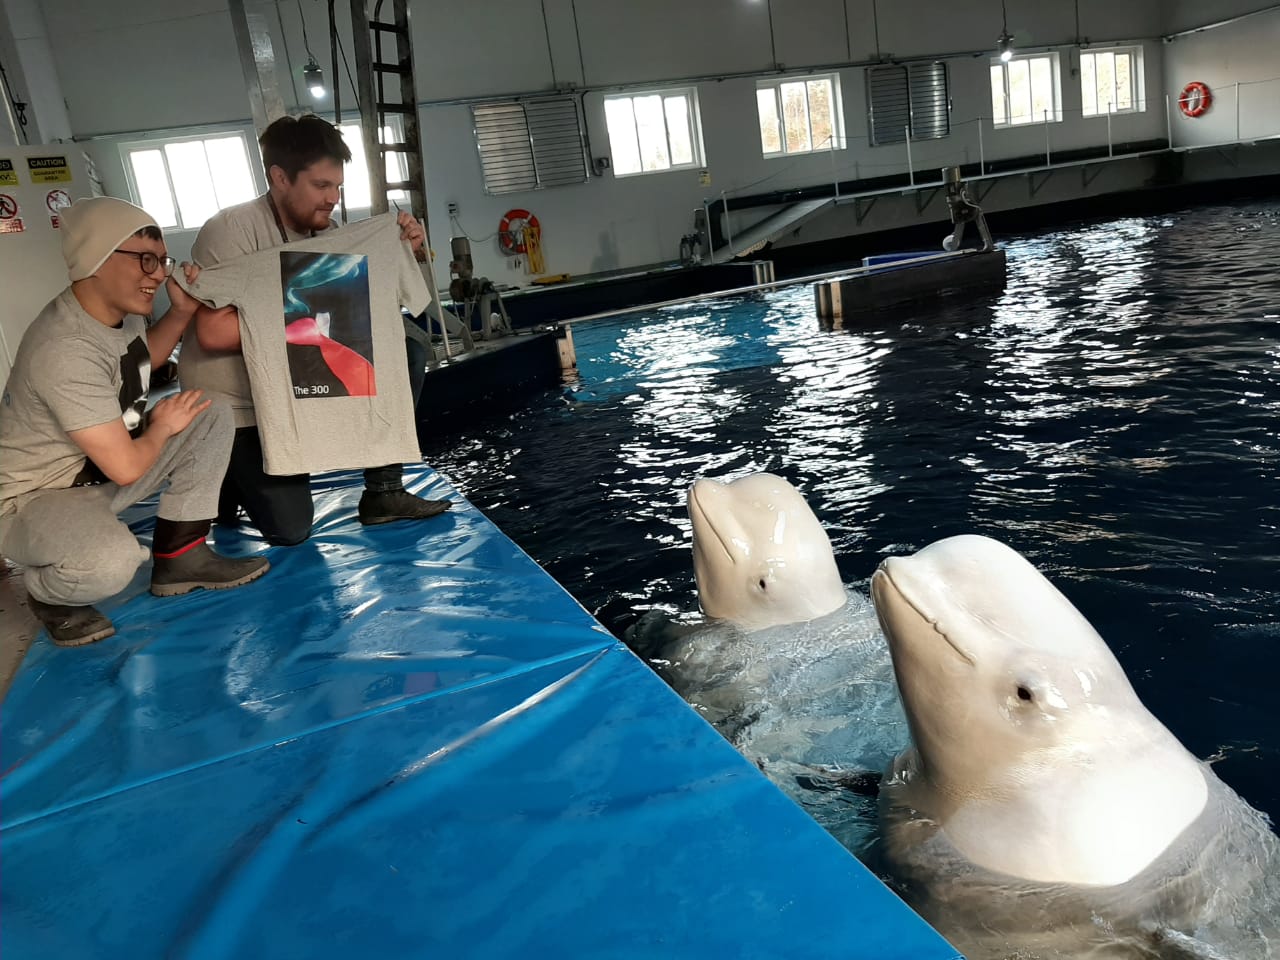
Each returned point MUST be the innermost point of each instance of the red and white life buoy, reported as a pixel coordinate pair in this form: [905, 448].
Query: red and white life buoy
[1195, 99]
[511, 230]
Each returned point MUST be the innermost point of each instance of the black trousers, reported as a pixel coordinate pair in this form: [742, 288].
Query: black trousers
[281, 507]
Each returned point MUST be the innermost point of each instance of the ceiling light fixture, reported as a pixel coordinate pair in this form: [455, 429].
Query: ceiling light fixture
[313, 76]
[1004, 43]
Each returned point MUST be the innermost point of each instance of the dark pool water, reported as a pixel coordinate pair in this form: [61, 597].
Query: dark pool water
[1114, 416]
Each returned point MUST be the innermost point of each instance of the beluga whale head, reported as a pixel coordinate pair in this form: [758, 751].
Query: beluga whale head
[760, 556]
[1031, 751]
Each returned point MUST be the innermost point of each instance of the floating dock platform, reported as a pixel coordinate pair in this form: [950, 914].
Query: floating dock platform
[404, 741]
[895, 281]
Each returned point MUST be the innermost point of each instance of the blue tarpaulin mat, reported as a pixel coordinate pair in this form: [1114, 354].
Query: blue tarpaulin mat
[403, 741]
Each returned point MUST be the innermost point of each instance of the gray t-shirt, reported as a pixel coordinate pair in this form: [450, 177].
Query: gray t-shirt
[322, 341]
[234, 232]
[70, 373]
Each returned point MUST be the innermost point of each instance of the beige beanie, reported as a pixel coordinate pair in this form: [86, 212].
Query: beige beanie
[93, 228]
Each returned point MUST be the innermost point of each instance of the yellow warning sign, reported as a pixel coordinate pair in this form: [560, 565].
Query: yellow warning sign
[49, 169]
[8, 175]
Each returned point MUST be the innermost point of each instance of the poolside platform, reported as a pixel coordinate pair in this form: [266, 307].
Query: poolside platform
[404, 741]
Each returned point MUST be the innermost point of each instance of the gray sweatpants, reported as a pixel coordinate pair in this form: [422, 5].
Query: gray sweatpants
[72, 543]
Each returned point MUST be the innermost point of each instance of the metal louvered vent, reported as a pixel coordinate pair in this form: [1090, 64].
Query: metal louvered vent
[530, 144]
[930, 107]
[914, 95]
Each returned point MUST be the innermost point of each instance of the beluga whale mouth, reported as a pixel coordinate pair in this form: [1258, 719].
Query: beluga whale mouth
[760, 556]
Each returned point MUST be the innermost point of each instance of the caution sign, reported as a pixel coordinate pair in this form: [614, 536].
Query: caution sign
[8, 175]
[10, 222]
[49, 169]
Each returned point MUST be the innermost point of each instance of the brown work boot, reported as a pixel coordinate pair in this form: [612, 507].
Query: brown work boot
[391, 505]
[71, 626]
[199, 567]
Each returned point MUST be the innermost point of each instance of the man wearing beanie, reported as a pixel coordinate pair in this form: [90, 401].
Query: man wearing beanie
[77, 447]
[304, 159]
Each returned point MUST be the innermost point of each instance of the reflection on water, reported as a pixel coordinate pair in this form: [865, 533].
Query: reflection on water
[1114, 416]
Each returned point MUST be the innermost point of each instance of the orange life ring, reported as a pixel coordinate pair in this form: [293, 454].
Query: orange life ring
[1195, 99]
[512, 239]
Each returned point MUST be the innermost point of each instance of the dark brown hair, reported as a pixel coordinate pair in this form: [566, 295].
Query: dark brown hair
[295, 143]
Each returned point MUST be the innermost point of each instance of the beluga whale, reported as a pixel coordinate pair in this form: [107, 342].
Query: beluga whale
[760, 556]
[1041, 811]
[787, 664]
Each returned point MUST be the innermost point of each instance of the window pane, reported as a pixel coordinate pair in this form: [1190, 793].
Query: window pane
[1019, 91]
[770, 127]
[679, 129]
[153, 186]
[355, 184]
[192, 182]
[622, 135]
[820, 114]
[232, 180]
[795, 117]
[1042, 105]
[1124, 81]
[651, 127]
[1088, 86]
[1106, 82]
[999, 110]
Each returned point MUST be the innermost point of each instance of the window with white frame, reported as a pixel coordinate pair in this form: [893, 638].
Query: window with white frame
[651, 132]
[1025, 90]
[799, 115]
[1111, 81]
[355, 180]
[182, 183]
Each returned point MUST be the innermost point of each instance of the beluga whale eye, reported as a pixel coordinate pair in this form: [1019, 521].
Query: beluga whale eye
[1024, 692]
[763, 585]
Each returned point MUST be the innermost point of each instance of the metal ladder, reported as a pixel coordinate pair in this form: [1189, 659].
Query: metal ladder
[376, 79]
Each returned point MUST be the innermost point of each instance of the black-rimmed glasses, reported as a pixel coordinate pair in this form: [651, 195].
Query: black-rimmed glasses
[150, 262]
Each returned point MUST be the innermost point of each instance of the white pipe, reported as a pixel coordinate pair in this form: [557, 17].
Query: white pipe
[728, 223]
[1220, 23]
[911, 174]
[982, 153]
[1237, 110]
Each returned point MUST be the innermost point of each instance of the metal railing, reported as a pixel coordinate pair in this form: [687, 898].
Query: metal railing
[1247, 107]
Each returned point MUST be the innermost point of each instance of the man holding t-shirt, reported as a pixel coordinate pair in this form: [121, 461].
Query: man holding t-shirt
[304, 159]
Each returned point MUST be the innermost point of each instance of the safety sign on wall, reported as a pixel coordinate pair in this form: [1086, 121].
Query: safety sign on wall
[10, 222]
[8, 175]
[49, 169]
[56, 201]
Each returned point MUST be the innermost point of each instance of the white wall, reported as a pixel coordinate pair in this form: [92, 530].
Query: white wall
[1239, 62]
[134, 66]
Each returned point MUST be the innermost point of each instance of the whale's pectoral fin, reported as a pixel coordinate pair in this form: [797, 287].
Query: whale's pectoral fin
[865, 783]
[1170, 944]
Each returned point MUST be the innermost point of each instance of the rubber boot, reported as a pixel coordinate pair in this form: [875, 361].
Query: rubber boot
[71, 626]
[184, 562]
